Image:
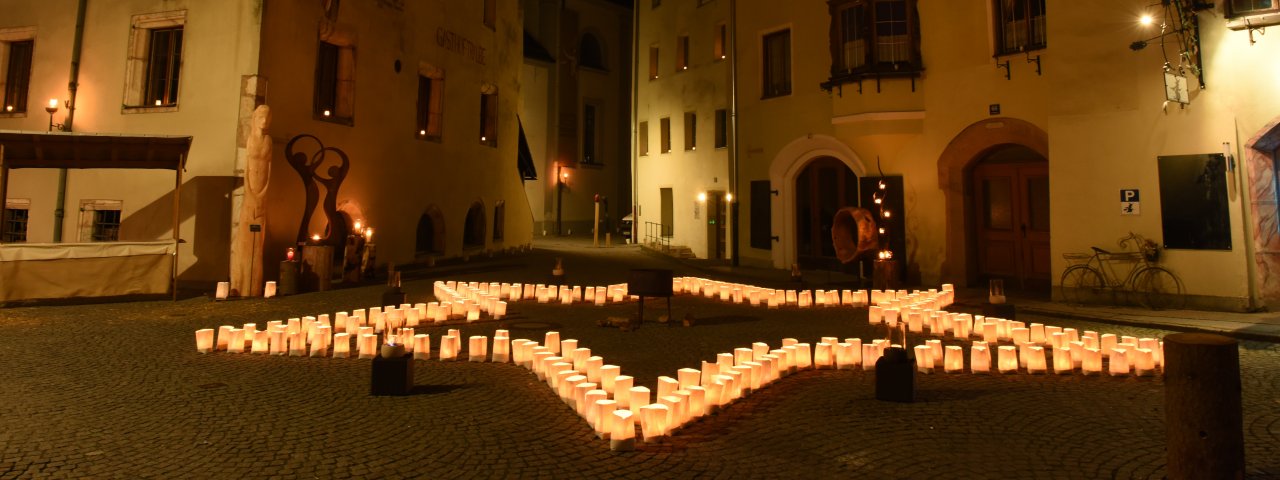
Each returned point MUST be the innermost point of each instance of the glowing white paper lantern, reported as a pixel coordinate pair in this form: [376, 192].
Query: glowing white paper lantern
[587, 407]
[224, 288]
[708, 372]
[1154, 346]
[822, 356]
[580, 356]
[1035, 360]
[552, 342]
[204, 340]
[638, 397]
[622, 436]
[368, 346]
[1144, 362]
[501, 350]
[804, 356]
[622, 390]
[688, 377]
[342, 345]
[667, 386]
[608, 373]
[592, 368]
[870, 353]
[1108, 343]
[447, 350]
[1091, 364]
[979, 359]
[953, 360]
[1062, 359]
[936, 345]
[235, 340]
[1008, 359]
[1119, 362]
[1020, 336]
[567, 347]
[924, 358]
[844, 356]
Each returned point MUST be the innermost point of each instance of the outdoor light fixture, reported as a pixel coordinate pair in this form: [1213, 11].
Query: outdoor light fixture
[8, 108]
[326, 113]
[1146, 19]
[702, 196]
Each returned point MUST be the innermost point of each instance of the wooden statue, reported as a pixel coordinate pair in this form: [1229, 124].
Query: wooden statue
[250, 234]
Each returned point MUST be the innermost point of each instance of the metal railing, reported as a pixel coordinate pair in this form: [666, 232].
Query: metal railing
[657, 235]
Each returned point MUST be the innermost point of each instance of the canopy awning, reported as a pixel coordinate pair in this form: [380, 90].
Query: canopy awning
[92, 150]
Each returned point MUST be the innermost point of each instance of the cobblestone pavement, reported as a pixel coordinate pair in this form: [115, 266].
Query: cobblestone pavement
[118, 391]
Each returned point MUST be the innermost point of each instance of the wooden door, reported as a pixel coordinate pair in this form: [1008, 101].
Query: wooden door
[667, 212]
[1012, 216]
[716, 231]
[824, 186]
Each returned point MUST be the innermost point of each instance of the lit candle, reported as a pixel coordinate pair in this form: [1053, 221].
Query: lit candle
[622, 437]
[204, 340]
[979, 359]
[1008, 359]
[953, 362]
[1062, 363]
[924, 358]
[1035, 360]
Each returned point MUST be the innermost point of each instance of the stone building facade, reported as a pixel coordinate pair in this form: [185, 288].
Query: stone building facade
[1010, 129]
[421, 96]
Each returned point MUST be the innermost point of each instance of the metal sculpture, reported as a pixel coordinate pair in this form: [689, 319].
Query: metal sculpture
[307, 166]
[853, 233]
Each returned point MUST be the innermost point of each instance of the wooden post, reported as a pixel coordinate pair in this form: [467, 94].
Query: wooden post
[1204, 422]
[595, 228]
[4, 188]
[177, 222]
[317, 266]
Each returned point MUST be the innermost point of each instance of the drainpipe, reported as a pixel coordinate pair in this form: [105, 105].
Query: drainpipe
[635, 126]
[1235, 157]
[59, 210]
[733, 128]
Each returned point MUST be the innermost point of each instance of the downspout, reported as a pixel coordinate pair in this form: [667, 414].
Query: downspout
[635, 126]
[1235, 164]
[733, 128]
[59, 210]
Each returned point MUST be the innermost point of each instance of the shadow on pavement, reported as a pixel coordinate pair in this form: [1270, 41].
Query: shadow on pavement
[434, 389]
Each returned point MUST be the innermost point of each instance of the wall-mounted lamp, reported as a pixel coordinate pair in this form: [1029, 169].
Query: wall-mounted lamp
[52, 108]
[728, 197]
[702, 196]
[1146, 19]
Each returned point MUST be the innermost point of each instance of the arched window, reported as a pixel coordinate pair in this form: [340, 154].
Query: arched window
[473, 233]
[589, 52]
[431, 237]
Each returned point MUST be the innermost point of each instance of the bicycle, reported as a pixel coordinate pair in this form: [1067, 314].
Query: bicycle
[1090, 282]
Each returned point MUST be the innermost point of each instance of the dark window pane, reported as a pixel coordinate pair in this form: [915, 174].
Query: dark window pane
[589, 133]
[424, 106]
[18, 77]
[777, 64]
[15, 225]
[164, 60]
[326, 79]
[722, 128]
[761, 215]
[106, 226]
[1038, 203]
[997, 203]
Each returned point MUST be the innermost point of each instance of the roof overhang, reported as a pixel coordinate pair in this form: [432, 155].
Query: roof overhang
[92, 150]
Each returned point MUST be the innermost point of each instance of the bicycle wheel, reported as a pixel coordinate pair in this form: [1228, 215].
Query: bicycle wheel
[1158, 289]
[1082, 284]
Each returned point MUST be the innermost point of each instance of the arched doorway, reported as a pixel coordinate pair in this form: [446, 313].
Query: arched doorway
[1010, 186]
[955, 167]
[822, 187]
[473, 230]
[1262, 161]
[430, 239]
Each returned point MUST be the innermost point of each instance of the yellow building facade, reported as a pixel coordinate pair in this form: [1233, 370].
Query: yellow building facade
[421, 96]
[1018, 133]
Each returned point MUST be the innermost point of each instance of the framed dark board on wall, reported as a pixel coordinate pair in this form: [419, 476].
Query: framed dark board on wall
[1194, 212]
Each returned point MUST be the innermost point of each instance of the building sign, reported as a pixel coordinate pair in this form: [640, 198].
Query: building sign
[1130, 203]
[460, 45]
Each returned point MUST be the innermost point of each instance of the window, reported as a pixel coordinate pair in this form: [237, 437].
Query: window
[777, 64]
[430, 114]
[326, 101]
[154, 68]
[589, 134]
[17, 76]
[490, 13]
[721, 47]
[653, 62]
[1240, 8]
[666, 135]
[874, 37]
[1020, 26]
[722, 128]
[690, 131]
[164, 63]
[15, 221]
[682, 53]
[499, 220]
[489, 118]
[590, 54]
[100, 220]
[642, 138]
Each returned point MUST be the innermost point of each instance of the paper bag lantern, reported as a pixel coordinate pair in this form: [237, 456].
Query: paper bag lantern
[708, 372]
[447, 350]
[552, 342]
[1154, 346]
[1119, 362]
[844, 356]
[261, 342]
[924, 358]
[953, 359]
[368, 346]
[1007, 362]
[1035, 360]
[870, 353]
[567, 347]
[979, 359]
[638, 397]
[622, 390]
[592, 368]
[235, 340]
[477, 348]
[501, 350]
[1020, 335]
[608, 373]
[1108, 343]
[587, 407]
[1091, 364]
[742, 355]
[224, 288]
[667, 386]
[204, 340]
[822, 357]
[688, 377]
[875, 315]
[1144, 362]
[622, 436]
[342, 345]
[580, 356]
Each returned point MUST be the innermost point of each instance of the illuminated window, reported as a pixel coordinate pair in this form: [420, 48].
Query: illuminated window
[874, 36]
[682, 53]
[721, 47]
[17, 75]
[690, 131]
[653, 62]
[489, 118]
[430, 115]
[665, 135]
[1019, 26]
[153, 70]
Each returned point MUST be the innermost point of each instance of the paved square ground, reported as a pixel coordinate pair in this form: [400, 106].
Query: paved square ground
[118, 391]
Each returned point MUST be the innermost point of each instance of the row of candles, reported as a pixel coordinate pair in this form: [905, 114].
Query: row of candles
[774, 298]
[515, 292]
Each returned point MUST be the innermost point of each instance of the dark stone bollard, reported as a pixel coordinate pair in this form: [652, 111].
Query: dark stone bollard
[1203, 416]
[895, 377]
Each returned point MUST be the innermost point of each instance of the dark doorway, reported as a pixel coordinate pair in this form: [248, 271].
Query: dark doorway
[823, 187]
[1011, 218]
[473, 231]
[716, 227]
[668, 214]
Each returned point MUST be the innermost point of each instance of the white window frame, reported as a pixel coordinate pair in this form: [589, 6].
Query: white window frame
[135, 72]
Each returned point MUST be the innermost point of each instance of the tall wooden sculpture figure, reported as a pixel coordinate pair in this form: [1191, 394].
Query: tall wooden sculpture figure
[246, 263]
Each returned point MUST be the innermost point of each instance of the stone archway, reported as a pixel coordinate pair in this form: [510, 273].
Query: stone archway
[474, 227]
[1261, 154]
[968, 146]
[786, 167]
[431, 233]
